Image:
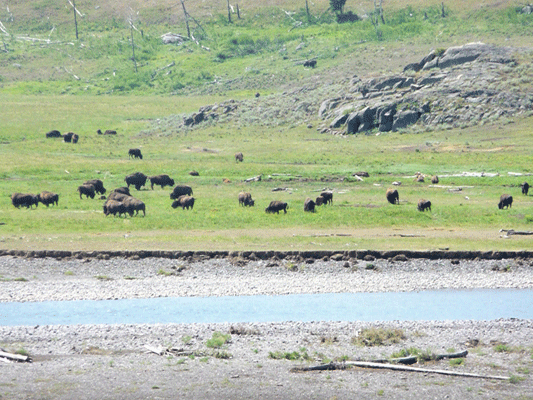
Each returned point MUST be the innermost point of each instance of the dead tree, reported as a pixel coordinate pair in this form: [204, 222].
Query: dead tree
[229, 13]
[186, 14]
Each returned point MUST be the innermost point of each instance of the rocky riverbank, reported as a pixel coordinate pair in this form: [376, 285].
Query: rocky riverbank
[113, 361]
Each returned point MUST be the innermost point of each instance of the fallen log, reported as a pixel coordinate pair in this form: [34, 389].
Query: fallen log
[510, 232]
[14, 357]
[253, 179]
[451, 355]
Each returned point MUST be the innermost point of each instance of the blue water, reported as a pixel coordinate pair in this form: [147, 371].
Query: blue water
[409, 306]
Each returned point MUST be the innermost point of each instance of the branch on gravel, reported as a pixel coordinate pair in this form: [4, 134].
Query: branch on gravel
[9, 357]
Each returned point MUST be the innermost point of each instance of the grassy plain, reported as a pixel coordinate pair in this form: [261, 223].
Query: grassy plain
[57, 82]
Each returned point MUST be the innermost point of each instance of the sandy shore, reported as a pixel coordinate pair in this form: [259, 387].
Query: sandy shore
[112, 361]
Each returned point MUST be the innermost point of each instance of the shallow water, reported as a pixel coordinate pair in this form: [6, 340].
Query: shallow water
[482, 304]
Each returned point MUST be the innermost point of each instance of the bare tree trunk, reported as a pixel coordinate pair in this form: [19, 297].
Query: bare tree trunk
[133, 46]
[239, 12]
[229, 13]
[443, 14]
[186, 19]
[75, 19]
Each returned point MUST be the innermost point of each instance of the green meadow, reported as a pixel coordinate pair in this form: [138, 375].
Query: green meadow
[294, 161]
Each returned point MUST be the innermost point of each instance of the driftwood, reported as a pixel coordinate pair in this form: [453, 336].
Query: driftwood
[173, 351]
[510, 232]
[8, 357]
[253, 179]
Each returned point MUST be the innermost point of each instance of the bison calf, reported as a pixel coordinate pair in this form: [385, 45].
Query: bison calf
[424, 205]
[392, 196]
[276, 206]
[525, 188]
[506, 201]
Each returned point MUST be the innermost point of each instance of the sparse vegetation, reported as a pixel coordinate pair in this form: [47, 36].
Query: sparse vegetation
[218, 340]
[378, 337]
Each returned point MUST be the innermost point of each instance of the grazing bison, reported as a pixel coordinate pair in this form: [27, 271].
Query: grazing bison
[184, 202]
[135, 153]
[505, 201]
[137, 179]
[309, 205]
[123, 190]
[24, 200]
[276, 206]
[245, 199]
[117, 196]
[424, 205]
[67, 137]
[75, 138]
[310, 63]
[180, 190]
[434, 179]
[320, 200]
[114, 207]
[239, 157]
[194, 173]
[107, 132]
[525, 188]
[162, 180]
[98, 185]
[87, 190]
[132, 204]
[327, 196]
[392, 196]
[53, 134]
[48, 198]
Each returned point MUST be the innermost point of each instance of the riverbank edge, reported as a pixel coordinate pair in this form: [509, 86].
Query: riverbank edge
[397, 255]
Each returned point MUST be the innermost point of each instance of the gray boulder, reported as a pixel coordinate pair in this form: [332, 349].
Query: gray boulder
[405, 118]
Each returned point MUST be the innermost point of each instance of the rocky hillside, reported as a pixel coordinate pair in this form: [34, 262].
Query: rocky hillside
[449, 88]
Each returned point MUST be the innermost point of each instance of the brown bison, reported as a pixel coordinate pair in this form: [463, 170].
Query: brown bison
[245, 199]
[239, 157]
[276, 206]
[48, 198]
[419, 177]
[392, 196]
[525, 188]
[424, 205]
[53, 134]
[137, 179]
[98, 185]
[327, 196]
[87, 190]
[184, 202]
[309, 205]
[117, 196]
[114, 207]
[161, 180]
[123, 190]
[320, 200]
[132, 204]
[24, 200]
[434, 179]
[135, 153]
[180, 190]
[107, 132]
[505, 201]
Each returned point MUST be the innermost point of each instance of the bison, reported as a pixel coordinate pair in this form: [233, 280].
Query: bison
[123, 190]
[276, 206]
[114, 207]
[310, 63]
[327, 197]
[87, 190]
[48, 198]
[309, 205]
[392, 196]
[419, 177]
[117, 196]
[75, 138]
[180, 190]
[424, 205]
[98, 185]
[137, 179]
[506, 201]
[434, 179]
[107, 132]
[132, 204]
[67, 137]
[161, 180]
[184, 202]
[135, 153]
[525, 188]
[245, 199]
[24, 200]
[320, 200]
[53, 134]
[239, 157]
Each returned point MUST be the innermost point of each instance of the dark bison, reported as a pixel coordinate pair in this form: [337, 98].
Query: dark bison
[114, 207]
[75, 138]
[184, 202]
[48, 198]
[123, 190]
[506, 201]
[161, 180]
[434, 179]
[327, 197]
[239, 157]
[53, 134]
[107, 132]
[137, 179]
[135, 153]
[310, 63]
[245, 199]
[392, 196]
[117, 196]
[194, 173]
[132, 204]
[87, 190]
[424, 205]
[320, 200]
[525, 188]
[309, 205]
[276, 206]
[67, 137]
[180, 190]
[98, 185]
[24, 200]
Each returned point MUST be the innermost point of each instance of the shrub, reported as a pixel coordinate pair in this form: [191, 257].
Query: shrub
[378, 337]
[218, 340]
